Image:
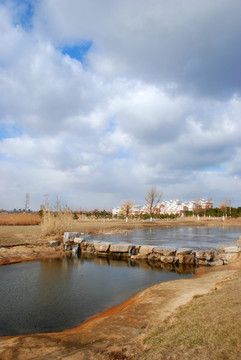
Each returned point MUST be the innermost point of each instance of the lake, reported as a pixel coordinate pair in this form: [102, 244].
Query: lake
[183, 236]
[56, 294]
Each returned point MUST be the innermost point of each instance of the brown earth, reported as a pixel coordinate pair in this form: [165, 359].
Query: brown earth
[133, 330]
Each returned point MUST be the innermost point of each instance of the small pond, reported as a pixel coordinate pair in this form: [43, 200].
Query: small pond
[183, 236]
[57, 294]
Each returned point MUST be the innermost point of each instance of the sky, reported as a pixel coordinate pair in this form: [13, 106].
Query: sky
[100, 100]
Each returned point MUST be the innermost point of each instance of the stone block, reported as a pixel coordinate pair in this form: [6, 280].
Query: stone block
[202, 262]
[232, 249]
[70, 236]
[204, 255]
[186, 259]
[231, 256]
[78, 240]
[102, 247]
[183, 251]
[146, 249]
[119, 248]
[167, 259]
[164, 251]
[87, 247]
[154, 257]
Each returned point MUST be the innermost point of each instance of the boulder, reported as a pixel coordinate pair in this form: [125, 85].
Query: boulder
[232, 253]
[119, 248]
[154, 257]
[183, 251]
[78, 240]
[164, 251]
[87, 247]
[167, 259]
[217, 262]
[146, 249]
[202, 262]
[70, 236]
[102, 247]
[204, 255]
[186, 259]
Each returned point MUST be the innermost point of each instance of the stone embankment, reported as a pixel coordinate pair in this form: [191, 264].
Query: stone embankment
[78, 245]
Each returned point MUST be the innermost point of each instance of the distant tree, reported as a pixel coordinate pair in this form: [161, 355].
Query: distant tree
[126, 208]
[152, 198]
[223, 207]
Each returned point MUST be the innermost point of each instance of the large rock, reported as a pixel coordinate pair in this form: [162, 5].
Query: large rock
[186, 259]
[119, 248]
[183, 251]
[232, 253]
[70, 236]
[154, 257]
[164, 251]
[78, 240]
[102, 247]
[167, 259]
[146, 249]
[87, 247]
[204, 255]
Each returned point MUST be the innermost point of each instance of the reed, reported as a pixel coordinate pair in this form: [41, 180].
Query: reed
[55, 223]
[20, 219]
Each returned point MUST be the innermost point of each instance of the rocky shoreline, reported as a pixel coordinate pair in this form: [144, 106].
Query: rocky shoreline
[74, 242]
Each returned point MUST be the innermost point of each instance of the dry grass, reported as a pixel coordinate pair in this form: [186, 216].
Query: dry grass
[20, 219]
[207, 328]
[56, 223]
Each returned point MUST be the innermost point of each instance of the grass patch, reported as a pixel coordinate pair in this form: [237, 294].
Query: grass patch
[207, 328]
[20, 219]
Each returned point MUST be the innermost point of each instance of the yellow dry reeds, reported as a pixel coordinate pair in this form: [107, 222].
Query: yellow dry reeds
[56, 223]
[20, 219]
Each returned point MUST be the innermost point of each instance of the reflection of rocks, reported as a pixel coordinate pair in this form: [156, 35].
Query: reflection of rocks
[152, 254]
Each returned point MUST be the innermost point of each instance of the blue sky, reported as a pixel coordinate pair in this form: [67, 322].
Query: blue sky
[101, 100]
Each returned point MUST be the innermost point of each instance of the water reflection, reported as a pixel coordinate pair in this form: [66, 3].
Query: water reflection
[56, 294]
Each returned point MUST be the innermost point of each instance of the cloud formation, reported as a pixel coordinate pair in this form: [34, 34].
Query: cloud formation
[100, 100]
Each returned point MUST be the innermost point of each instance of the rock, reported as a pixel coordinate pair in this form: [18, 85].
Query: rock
[146, 249]
[87, 246]
[232, 249]
[204, 255]
[167, 259]
[102, 247]
[78, 240]
[186, 259]
[218, 262]
[54, 243]
[202, 262]
[119, 248]
[70, 236]
[154, 257]
[183, 251]
[164, 251]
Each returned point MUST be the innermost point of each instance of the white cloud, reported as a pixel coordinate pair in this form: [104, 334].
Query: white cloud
[156, 101]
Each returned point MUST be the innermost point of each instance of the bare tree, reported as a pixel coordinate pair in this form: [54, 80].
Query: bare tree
[152, 198]
[223, 207]
[126, 208]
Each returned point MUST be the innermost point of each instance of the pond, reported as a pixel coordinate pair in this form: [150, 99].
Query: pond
[56, 294]
[186, 236]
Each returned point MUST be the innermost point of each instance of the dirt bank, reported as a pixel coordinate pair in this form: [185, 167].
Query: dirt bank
[119, 333]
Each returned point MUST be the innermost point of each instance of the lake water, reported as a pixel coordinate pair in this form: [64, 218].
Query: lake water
[53, 295]
[190, 237]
